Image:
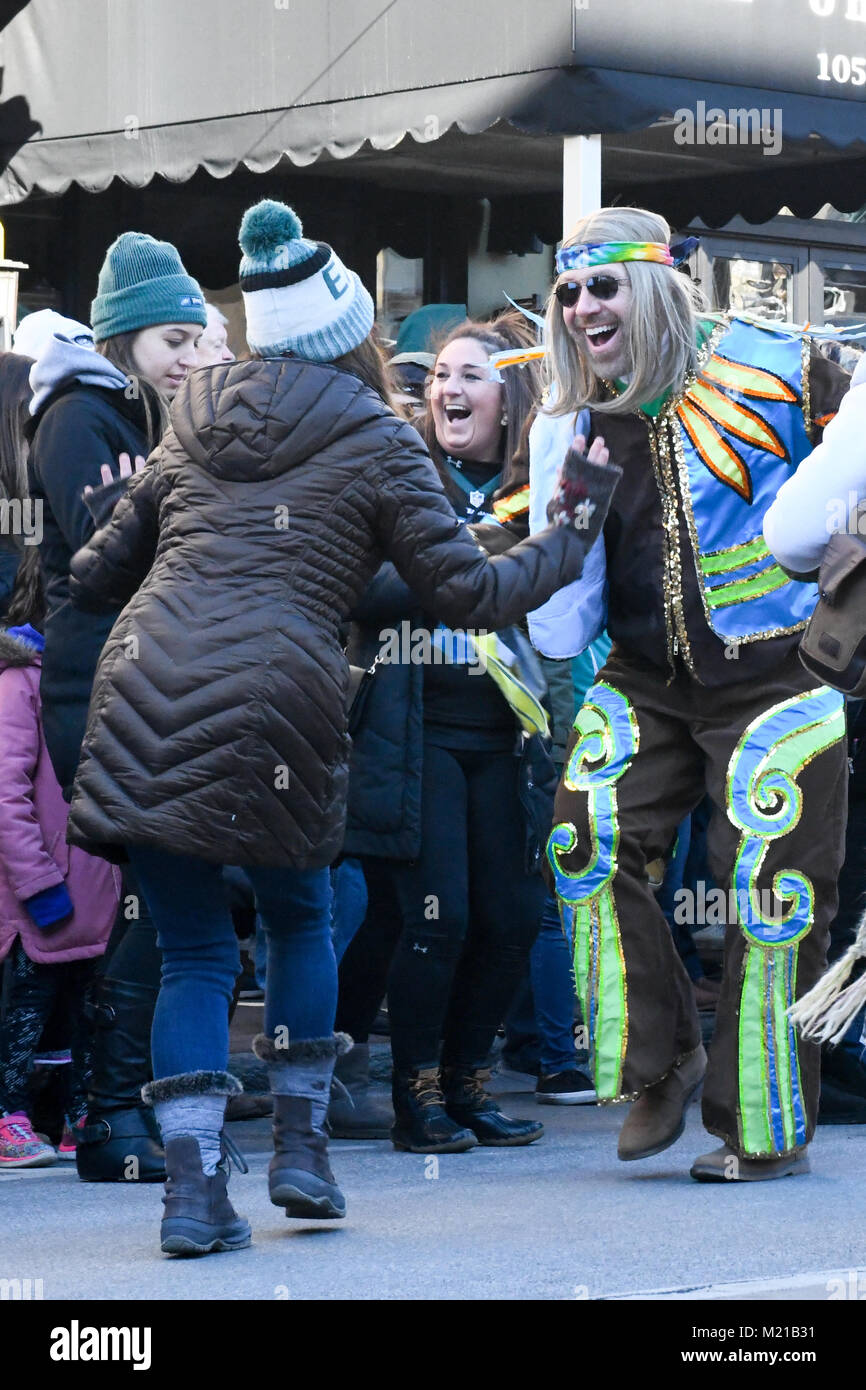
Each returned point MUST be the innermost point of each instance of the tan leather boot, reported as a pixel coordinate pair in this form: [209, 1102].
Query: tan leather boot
[723, 1165]
[657, 1119]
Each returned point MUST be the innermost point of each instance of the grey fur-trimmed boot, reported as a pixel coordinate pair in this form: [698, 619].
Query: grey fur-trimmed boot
[300, 1179]
[198, 1217]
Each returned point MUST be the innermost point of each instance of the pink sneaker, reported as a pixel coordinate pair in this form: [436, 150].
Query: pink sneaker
[69, 1139]
[19, 1146]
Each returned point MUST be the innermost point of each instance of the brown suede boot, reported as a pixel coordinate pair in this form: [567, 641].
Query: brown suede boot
[723, 1165]
[657, 1119]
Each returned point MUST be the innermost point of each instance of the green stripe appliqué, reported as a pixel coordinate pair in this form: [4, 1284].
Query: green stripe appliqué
[724, 561]
[754, 1086]
[740, 590]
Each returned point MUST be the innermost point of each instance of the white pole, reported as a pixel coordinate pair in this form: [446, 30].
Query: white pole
[581, 178]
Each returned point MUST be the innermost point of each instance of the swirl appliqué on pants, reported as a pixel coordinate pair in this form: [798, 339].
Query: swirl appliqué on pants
[608, 739]
[765, 803]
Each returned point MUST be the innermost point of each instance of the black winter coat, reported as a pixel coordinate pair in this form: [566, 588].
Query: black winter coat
[383, 816]
[217, 725]
[81, 428]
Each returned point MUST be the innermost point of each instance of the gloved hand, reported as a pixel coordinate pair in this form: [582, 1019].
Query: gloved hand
[584, 489]
[50, 907]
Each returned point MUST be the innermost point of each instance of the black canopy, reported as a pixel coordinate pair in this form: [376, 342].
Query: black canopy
[96, 90]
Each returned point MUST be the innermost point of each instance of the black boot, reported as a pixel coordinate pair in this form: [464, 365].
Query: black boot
[422, 1125]
[358, 1109]
[199, 1218]
[467, 1103]
[299, 1177]
[120, 1141]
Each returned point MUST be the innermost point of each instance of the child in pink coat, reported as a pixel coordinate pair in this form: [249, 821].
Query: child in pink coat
[57, 907]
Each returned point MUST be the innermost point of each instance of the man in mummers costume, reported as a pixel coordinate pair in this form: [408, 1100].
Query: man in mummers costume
[703, 692]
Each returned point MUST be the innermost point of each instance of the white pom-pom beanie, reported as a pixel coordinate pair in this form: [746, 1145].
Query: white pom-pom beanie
[299, 298]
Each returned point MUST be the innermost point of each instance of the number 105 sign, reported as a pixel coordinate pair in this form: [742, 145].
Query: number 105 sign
[816, 47]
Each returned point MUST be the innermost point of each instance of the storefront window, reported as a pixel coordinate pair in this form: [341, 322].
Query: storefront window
[844, 295]
[754, 287]
[399, 290]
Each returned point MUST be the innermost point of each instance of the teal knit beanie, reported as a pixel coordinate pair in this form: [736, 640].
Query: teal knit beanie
[298, 296]
[143, 282]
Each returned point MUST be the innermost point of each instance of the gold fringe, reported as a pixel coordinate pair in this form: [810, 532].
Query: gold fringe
[825, 1013]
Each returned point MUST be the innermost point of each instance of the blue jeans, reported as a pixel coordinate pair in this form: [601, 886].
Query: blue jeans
[539, 1024]
[552, 975]
[201, 961]
[349, 906]
[348, 910]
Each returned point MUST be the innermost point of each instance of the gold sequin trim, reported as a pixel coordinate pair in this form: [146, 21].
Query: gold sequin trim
[673, 577]
[666, 542]
[806, 360]
[636, 1095]
[624, 1099]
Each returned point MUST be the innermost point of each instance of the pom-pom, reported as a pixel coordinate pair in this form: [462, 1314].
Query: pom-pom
[267, 225]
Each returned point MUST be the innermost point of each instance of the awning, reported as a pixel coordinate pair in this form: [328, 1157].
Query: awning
[563, 101]
[200, 85]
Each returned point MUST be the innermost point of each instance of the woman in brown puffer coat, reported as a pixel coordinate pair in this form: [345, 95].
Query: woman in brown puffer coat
[217, 727]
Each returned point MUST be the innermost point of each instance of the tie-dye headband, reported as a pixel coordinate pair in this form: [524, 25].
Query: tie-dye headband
[608, 252]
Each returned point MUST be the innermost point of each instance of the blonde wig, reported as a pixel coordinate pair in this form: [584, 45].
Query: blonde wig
[661, 330]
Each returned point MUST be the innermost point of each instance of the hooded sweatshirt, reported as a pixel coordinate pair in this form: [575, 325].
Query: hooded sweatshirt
[62, 363]
[84, 414]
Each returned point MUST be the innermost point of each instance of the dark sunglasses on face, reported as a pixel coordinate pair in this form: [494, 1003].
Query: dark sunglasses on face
[601, 287]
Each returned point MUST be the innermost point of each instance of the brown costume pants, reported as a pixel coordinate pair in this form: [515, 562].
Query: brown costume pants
[772, 757]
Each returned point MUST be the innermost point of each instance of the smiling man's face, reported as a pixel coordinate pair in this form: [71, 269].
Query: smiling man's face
[600, 326]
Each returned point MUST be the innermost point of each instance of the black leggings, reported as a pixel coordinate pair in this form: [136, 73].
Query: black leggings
[132, 953]
[367, 960]
[470, 912]
[35, 991]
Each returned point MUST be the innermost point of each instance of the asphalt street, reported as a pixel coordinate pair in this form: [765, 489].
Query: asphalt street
[562, 1219]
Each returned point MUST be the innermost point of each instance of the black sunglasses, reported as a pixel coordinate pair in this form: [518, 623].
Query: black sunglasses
[601, 287]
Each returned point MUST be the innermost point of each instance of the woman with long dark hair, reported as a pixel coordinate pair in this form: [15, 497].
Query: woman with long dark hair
[217, 729]
[19, 531]
[96, 416]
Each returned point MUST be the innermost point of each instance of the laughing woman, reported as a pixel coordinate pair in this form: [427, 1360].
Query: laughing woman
[439, 797]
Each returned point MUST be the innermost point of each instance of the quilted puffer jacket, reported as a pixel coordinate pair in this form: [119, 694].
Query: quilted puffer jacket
[217, 725]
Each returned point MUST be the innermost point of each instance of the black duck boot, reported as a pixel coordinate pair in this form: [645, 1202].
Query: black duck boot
[199, 1218]
[467, 1102]
[300, 1179]
[120, 1141]
[422, 1124]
